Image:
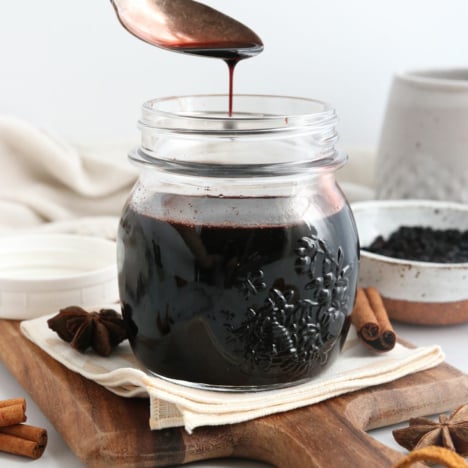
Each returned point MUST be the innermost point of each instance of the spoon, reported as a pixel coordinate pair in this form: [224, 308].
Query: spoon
[187, 26]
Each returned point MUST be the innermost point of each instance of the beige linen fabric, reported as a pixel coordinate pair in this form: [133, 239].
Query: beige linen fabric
[44, 179]
[173, 405]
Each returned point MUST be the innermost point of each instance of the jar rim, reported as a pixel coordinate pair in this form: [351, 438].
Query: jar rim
[265, 136]
[252, 114]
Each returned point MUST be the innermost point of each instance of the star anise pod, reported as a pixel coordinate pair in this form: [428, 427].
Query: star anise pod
[101, 330]
[450, 432]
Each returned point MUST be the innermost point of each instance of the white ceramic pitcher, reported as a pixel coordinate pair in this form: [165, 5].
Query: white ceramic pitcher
[423, 149]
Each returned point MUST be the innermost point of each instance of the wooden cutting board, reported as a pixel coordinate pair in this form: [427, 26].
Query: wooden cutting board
[105, 430]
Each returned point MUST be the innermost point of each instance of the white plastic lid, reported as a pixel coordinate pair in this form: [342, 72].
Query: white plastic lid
[42, 273]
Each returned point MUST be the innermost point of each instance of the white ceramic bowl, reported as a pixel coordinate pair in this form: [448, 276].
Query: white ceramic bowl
[42, 273]
[413, 291]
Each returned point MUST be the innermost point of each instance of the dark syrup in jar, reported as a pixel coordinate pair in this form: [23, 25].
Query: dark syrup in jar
[236, 305]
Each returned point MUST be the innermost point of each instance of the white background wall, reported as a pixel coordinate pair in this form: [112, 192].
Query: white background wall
[70, 67]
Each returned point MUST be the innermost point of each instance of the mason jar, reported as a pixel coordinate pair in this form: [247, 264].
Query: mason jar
[237, 250]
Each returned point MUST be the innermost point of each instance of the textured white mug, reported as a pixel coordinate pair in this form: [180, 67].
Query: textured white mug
[423, 149]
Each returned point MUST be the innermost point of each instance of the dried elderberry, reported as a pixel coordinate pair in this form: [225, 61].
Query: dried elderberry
[424, 244]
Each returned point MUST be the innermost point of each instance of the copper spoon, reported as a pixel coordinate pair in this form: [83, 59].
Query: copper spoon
[187, 26]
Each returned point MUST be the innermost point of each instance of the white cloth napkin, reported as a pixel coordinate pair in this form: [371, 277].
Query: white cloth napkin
[173, 405]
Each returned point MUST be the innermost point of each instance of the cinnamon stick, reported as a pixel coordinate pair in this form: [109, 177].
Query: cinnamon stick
[387, 335]
[12, 411]
[363, 317]
[25, 431]
[371, 320]
[19, 446]
[16, 438]
[13, 401]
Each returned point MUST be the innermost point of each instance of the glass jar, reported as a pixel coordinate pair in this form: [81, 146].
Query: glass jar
[237, 251]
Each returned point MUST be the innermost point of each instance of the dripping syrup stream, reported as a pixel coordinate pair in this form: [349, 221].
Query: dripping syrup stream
[231, 63]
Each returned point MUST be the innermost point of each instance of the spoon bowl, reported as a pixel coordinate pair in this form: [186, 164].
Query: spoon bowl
[187, 26]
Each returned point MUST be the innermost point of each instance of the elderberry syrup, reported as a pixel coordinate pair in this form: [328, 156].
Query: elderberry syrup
[237, 251]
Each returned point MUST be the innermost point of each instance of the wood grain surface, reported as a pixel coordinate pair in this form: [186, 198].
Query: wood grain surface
[105, 430]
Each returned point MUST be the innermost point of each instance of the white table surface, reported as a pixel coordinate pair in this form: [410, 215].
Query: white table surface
[452, 339]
